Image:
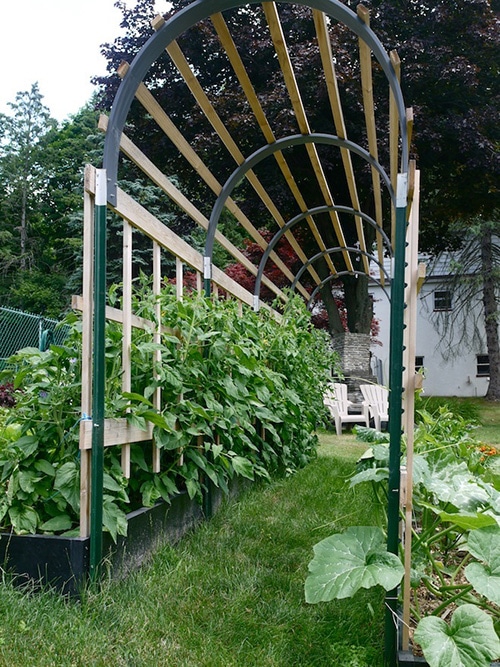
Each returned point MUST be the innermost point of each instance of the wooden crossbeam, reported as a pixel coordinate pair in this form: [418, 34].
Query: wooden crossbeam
[369, 109]
[274, 23]
[325, 50]
[158, 177]
[205, 105]
[145, 97]
[240, 71]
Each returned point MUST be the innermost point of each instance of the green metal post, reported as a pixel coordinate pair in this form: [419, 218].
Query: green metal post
[395, 408]
[99, 376]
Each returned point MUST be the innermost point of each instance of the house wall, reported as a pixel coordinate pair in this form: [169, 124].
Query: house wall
[445, 374]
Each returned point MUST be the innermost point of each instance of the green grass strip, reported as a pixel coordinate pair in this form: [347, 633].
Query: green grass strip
[229, 595]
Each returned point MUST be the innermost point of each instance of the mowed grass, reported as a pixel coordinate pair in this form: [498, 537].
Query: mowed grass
[231, 594]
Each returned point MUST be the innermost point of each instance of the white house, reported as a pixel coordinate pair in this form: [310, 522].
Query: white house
[454, 357]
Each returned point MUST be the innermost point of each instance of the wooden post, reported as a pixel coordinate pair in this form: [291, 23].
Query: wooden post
[127, 330]
[87, 320]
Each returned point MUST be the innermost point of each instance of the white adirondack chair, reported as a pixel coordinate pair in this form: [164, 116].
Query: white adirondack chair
[376, 403]
[335, 399]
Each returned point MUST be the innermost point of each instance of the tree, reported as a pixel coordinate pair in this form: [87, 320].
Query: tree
[475, 278]
[21, 175]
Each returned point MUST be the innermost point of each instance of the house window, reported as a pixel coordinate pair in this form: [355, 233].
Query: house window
[483, 365]
[442, 300]
[419, 364]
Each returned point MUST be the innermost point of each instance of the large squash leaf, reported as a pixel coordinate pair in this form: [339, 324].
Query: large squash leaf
[346, 562]
[469, 641]
[484, 544]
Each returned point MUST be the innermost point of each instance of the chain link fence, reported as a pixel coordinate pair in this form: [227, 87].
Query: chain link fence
[19, 329]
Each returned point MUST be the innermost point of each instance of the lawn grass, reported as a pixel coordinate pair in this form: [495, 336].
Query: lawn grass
[231, 594]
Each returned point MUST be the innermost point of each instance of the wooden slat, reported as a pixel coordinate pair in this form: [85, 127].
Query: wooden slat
[116, 432]
[240, 71]
[126, 330]
[86, 395]
[179, 279]
[327, 61]
[204, 103]
[369, 109]
[157, 340]
[281, 49]
[138, 157]
[116, 315]
[411, 279]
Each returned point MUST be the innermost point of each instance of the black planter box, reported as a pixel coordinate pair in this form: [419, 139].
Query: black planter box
[63, 562]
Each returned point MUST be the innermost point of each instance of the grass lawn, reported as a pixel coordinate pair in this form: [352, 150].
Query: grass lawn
[230, 594]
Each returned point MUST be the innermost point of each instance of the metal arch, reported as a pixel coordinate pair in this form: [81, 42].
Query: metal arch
[202, 9]
[298, 218]
[330, 251]
[269, 149]
[345, 273]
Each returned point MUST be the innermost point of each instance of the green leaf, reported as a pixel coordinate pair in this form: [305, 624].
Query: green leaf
[131, 396]
[45, 467]
[454, 483]
[28, 444]
[469, 641]
[136, 420]
[243, 467]
[468, 521]
[484, 545]
[67, 482]
[369, 475]
[24, 519]
[57, 524]
[113, 518]
[346, 562]
[193, 487]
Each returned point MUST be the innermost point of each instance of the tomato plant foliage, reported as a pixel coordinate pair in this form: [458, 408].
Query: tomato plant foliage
[239, 396]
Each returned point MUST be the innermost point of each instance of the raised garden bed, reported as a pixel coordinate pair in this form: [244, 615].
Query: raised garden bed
[63, 562]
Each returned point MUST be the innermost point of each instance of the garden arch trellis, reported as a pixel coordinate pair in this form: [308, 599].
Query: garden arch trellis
[103, 191]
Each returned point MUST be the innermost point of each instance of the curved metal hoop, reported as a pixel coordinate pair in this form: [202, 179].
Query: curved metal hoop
[344, 273]
[202, 9]
[298, 218]
[330, 251]
[269, 149]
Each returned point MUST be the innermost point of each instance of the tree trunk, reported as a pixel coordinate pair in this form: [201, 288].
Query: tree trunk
[334, 322]
[358, 304]
[491, 315]
[23, 229]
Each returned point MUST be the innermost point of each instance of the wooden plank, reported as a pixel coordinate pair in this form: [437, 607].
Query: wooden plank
[138, 157]
[116, 315]
[369, 109]
[87, 320]
[157, 340]
[274, 23]
[411, 279]
[116, 432]
[126, 329]
[240, 71]
[327, 61]
[179, 279]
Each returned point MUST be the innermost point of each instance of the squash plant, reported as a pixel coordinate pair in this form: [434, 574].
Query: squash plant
[455, 543]
[240, 396]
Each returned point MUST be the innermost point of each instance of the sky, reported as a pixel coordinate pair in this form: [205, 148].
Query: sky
[57, 43]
